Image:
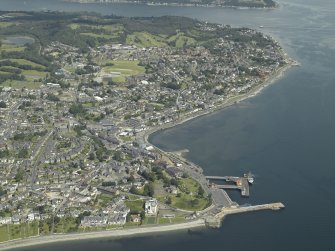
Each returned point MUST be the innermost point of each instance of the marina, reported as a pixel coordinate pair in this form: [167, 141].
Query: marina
[241, 183]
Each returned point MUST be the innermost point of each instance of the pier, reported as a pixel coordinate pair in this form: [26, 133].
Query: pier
[242, 183]
[216, 221]
[241, 209]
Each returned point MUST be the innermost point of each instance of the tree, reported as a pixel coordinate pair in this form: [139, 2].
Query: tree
[19, 175]
[201, 192]
[149, 189]
[133, 190]
[169, 201]
[3, 104]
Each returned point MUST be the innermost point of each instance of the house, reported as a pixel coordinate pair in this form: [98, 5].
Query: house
[30, 217]
[151, 207]
[93, 221]
[5, 220]
[16, 219]
[135, 218]
[117, 219]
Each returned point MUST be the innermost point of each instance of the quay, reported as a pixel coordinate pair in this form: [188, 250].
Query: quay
[242, 183]
[216, 221]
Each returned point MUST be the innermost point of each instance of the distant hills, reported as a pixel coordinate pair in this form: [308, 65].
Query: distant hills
[223, 3]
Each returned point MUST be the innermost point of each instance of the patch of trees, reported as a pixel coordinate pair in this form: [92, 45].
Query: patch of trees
[3, 104]
[52, 97]
[77, 109]
[4, 154]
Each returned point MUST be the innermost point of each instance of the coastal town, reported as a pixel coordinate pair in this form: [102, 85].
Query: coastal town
[74, 151]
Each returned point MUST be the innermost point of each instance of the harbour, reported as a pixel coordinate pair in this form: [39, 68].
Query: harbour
[274, 134]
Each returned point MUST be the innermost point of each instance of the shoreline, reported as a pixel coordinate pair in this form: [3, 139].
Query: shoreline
[177, 4]
[129, 232]
[271, 79]
[115, 233]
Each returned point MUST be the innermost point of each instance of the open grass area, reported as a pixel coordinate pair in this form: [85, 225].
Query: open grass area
[189, 185]
[26, 62]
[11, 232]
[150, 220]
[34, 74]
[21, 84]
[66, 225]
[122, 69]
[112, 31]
[5, 24]
[188, 202]
[95, 35]
[162, 220]
[180, 40]
[11, 47]
[144, 39]
[136, 205]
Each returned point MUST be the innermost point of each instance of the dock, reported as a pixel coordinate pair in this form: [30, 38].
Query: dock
[242, 183]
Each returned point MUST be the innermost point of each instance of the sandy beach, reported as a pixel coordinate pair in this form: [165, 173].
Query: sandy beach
[116, 233]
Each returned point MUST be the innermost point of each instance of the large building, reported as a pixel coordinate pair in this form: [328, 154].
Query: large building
[151, 207]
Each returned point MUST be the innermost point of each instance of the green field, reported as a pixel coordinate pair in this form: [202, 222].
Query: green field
[11, 47]
[26, 62]
[125, 68]
[144, 39]
[137, 205]
[99, 31]
[90, 34]
[66, 225]
[11, 232]
[21, 84]
[150, 220]
[34, 74]
[190, 203]
[180, 40]
[5, 24]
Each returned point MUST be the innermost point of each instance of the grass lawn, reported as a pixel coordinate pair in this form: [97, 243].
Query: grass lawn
[11, 47]
[23, 230]
[66, 225]
[164, 220]
[124, 67]
[95, 35]
[178, 219]
[181, 40]
[136, 205]
[190, 203]
[189, 185]
[33, 73]
[144, 39]
[26, 62]
[21, 84]
[5, 24]
[150, 220]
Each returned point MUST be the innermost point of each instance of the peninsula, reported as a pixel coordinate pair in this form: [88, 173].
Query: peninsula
[204, 3]
[79, 95]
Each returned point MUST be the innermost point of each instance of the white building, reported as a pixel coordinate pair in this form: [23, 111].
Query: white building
[151, 207]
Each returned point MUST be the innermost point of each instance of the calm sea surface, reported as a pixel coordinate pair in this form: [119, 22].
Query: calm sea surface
[285, 135]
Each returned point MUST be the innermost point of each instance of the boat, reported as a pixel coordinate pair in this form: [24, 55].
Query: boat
[261, 26]
[251, 180]
[250, 177]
